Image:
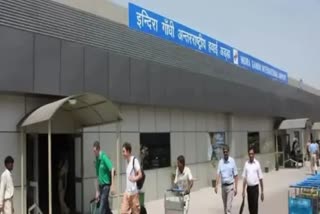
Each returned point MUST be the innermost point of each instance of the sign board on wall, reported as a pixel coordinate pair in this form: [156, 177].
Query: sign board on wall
[149, 22]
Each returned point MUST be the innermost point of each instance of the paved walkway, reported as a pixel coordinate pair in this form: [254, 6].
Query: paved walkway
[205, 201]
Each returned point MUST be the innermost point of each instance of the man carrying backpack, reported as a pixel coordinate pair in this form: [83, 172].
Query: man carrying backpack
[134, 179]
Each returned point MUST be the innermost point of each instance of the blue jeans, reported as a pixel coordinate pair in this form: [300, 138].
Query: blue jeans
[104, 200]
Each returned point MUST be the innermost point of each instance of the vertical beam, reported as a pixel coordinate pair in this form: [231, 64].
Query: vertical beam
[36, 166]
[277, 148]
[22, 168]
[276, 134]
[303, 143]
[49, 168]
[118, 166]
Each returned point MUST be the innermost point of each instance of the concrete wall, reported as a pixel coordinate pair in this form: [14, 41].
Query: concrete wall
[12, 110]
[238, 135]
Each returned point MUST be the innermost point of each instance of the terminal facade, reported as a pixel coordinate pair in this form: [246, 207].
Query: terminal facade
[173, 100]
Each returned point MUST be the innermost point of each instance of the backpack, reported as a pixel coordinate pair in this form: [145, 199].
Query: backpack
[143, 210]
[140, 182]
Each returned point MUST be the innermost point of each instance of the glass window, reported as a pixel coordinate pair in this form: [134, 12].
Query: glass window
[155, 150]
[254, 141]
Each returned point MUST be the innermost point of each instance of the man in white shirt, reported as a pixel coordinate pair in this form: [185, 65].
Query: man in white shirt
[252, 177]
[7, 188]
[130, 201]
[184, 180]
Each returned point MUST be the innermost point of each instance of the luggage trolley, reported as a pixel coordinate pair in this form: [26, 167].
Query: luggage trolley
[175, 202]
[304, 197]
[93, 206]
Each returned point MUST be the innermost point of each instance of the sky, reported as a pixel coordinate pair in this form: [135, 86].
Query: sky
[283, 33]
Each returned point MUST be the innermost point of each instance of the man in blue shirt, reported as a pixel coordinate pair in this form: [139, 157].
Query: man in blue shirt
[228, 174]
[314, 150]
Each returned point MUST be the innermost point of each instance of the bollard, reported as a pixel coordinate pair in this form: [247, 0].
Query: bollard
[214, 183]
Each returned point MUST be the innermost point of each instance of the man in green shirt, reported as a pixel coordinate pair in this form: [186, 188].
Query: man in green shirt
[105, 177]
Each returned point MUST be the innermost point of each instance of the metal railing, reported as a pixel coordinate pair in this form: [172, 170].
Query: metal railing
[36, 208]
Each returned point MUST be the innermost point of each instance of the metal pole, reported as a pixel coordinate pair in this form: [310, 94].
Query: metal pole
[22, 171]
[118, 165]
[303, 145]
[49, 168]
[277, 149]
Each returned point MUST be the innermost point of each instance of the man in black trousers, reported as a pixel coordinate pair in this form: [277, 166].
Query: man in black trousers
[252, 177]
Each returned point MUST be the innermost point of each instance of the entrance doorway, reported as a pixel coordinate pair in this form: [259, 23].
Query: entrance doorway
[283, 149]
[63, 172]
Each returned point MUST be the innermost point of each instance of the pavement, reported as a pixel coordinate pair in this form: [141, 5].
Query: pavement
[276, 185]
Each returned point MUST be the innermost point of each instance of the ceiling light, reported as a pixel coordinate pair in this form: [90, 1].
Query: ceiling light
[72, 101]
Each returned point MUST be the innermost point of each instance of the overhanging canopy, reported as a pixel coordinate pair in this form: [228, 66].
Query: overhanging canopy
[86, 109]
[316, 126]
[294, 124]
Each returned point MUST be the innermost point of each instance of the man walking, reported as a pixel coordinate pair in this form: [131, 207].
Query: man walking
[314, 150]
[105, 174]
[252, 176]
[228, 173]
[7, 188]
[130, 201]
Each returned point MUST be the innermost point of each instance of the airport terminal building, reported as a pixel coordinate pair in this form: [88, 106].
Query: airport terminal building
[174, 99]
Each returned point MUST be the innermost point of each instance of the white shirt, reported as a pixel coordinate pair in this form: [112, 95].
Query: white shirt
[182, 179]
[252, 173]
[132, 186]
[6, 186]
